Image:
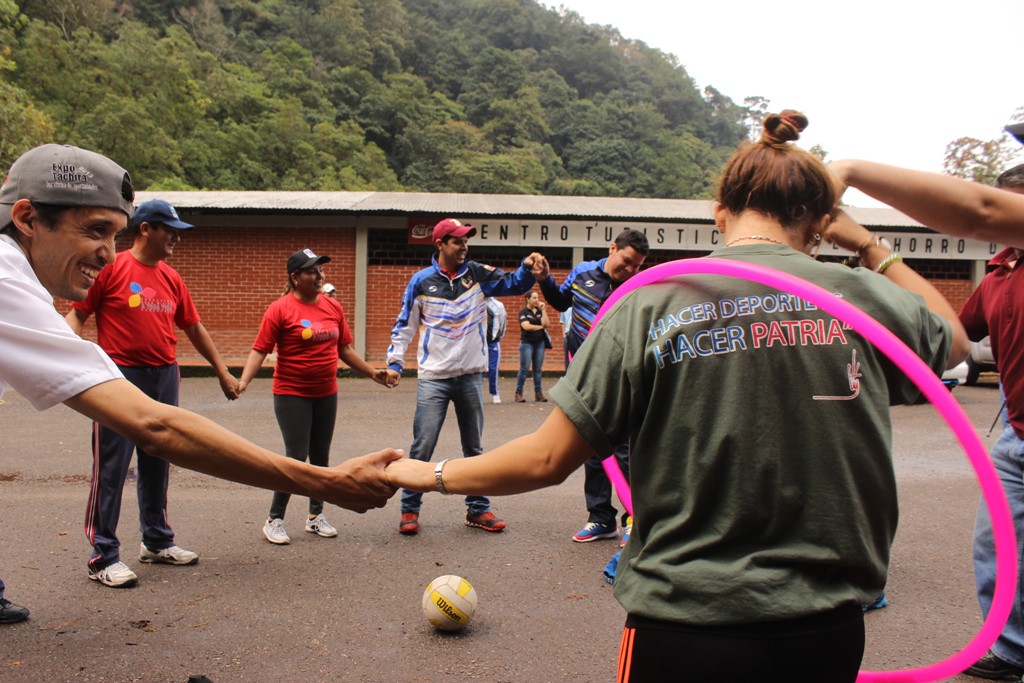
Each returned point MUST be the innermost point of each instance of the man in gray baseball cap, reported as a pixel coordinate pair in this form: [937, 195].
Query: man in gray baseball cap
[66, 176]
[60, 208]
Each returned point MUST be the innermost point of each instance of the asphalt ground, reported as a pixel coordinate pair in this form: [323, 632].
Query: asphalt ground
[348, 608]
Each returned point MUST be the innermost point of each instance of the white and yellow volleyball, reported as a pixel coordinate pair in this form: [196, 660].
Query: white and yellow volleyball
[449, 602]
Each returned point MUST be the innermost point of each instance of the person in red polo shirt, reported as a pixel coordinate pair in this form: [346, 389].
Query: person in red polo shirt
[310, 333]
[138, 303]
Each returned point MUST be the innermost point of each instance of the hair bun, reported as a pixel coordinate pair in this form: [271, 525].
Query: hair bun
[783, 127]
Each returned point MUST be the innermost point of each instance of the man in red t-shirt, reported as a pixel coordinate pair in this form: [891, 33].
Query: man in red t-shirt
[994, 310]
[965, 209]
[138, 302]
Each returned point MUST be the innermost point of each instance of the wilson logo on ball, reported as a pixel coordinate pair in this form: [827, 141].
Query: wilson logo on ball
[449, 602]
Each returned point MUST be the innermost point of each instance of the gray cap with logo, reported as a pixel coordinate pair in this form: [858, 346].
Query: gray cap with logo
[62, 175]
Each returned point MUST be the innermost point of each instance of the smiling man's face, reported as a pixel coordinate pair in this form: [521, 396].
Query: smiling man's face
[67, 257]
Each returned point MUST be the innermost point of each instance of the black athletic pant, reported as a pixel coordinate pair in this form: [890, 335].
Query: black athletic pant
[307, 427]
[824, 648]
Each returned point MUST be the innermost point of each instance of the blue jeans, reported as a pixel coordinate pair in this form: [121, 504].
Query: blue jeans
[1008, 457]
[432, 399]
[493, 358]
[597, 487]
[530, 353]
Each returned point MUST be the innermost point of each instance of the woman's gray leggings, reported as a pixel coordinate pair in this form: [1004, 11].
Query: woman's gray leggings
[307, 427]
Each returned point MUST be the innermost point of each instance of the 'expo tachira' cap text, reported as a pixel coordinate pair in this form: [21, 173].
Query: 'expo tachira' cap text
[62, 175]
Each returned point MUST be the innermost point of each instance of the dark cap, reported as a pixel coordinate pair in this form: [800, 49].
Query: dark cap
[63, 175]
[452, 227]
[305, 258]
[1016, 130]
[158, 211]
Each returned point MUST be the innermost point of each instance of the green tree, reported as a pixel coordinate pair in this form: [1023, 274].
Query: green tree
[119, 127]
[385, 23]
[514, 172]
[609, 161]
[724, 128]
[686, 168]
[505, 24]
[400, 103]
[755, 109]
[424, 153]
[205, 25]
[22, 125]
[979, 160]
[228, 156]
[99, 16]
[494, 75]
[517, 122]
[425, 94]
[290, 72]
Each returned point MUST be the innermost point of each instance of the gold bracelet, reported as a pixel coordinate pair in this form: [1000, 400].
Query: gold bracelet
[888, 261]
[438, 479]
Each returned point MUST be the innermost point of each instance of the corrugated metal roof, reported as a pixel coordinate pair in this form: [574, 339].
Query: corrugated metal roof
[419, 203]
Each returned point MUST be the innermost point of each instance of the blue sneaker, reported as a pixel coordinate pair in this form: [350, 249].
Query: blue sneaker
[611, 568]
[877, 604]
[592, 531]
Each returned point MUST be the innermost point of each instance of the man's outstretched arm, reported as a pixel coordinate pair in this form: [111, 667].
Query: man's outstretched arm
[196, 443]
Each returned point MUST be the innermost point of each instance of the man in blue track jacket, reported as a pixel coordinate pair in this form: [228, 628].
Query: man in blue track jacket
[584, 291]
[446, 303]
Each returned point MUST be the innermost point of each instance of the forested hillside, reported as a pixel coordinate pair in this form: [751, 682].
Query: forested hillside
[495, 96]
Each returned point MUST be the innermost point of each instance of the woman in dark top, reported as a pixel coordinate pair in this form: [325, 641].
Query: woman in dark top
[533, 321]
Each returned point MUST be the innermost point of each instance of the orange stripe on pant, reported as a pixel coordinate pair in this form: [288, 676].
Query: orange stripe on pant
[626, 654]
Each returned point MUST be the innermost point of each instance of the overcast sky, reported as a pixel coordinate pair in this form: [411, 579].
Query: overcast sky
[888, 80]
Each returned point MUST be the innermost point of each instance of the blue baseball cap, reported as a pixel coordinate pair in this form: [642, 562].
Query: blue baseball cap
[158, 211]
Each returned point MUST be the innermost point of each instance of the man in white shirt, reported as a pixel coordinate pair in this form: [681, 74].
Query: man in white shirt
[497, 320]
[60, 208]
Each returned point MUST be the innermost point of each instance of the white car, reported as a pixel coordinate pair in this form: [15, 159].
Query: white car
[956, 375]
[980, 360]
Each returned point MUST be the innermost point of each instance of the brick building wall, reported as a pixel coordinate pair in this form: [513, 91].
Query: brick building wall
[235, 272]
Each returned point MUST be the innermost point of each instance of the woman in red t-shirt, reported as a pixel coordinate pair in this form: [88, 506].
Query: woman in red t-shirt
[310, 333]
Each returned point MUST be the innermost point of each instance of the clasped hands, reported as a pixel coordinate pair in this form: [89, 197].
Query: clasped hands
[367, 482]
[538, 266]
[387, 378]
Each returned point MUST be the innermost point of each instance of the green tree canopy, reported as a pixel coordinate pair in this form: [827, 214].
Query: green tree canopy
[441, 95]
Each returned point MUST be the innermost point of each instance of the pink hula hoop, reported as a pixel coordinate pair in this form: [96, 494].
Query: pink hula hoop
[930, 386]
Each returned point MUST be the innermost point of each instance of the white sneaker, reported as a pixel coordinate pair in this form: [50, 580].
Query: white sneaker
[495, 399]
[117, 575]
[172, 555]
[275, 533]
[321, 527]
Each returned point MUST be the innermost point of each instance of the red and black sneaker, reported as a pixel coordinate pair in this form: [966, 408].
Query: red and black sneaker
[486, 521]
[410, 524]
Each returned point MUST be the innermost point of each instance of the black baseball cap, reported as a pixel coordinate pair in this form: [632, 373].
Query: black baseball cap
[1017, 131]
[305, 258]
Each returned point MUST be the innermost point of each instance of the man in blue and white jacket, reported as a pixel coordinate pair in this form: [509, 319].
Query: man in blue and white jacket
[447, 304]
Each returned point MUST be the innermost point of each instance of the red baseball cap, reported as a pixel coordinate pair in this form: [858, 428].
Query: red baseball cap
[452, 227]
